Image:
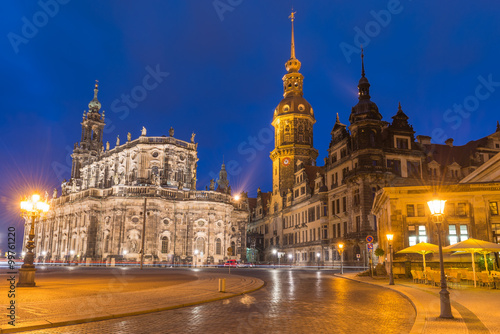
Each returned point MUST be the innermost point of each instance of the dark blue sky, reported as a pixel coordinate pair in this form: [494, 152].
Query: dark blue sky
[224, 70]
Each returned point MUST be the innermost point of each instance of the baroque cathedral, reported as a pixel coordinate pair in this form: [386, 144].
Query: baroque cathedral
[139, 196]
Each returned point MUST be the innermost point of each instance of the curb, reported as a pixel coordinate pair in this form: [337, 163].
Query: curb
[122, 315]
[420, 319]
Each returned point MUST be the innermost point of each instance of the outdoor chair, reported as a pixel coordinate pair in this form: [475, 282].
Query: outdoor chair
[470, 277]
[455, 278]
[420, 277]
[484, 279]
[430, 277]
[436, 278]
[414, 276]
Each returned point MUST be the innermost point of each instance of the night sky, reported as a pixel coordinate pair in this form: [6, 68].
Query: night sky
[218, 68]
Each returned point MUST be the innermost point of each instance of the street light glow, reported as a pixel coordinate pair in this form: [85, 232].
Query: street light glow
[389, 236]
[237, 197]
[34, 205]
[274, 251]
[436, 206]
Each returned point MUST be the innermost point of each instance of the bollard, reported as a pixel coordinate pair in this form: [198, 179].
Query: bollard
[222, 285]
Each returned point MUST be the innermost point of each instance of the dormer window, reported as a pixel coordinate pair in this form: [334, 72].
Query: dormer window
[286, 108]
[401, 142]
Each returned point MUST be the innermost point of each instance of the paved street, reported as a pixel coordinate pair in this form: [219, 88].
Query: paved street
[293, 301]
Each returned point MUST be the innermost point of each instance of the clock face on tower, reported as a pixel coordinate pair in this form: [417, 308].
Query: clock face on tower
[286, 161]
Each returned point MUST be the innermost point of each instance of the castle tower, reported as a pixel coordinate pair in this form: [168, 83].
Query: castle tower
[293, 129]
[90, 145]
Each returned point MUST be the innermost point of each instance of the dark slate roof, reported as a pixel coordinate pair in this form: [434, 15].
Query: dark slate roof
[311, 174]
[463, 155]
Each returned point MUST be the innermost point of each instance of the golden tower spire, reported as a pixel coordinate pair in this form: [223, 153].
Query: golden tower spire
[292, 51]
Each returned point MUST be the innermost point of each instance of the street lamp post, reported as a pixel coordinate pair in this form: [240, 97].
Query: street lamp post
[437, 212]
[317, 259]
[274, 258]
[31, 208]
[341, 251]
[290, 258]
[390, 236]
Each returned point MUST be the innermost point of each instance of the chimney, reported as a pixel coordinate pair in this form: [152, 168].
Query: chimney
[449, 142]
[424, 140]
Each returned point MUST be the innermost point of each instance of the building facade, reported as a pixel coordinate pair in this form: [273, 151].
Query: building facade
[142, 191]
[311, 209]
[471, 211]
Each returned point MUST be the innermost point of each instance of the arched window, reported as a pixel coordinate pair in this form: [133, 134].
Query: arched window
[218, 246]
[200, 245]
[164, 245]
[233, 248]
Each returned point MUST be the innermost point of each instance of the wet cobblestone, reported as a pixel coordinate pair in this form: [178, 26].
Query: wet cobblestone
[292, 301]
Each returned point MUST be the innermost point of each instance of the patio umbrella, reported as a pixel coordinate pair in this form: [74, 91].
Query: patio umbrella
[474, 246]
[421, 248]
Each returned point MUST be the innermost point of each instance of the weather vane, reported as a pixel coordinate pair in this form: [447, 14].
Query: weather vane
[292, 16]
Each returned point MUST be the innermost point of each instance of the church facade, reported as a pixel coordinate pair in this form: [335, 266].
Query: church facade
[311, 209]
[141, 194]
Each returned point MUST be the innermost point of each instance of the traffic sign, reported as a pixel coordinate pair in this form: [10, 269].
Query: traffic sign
[369, 238]
[370, 245]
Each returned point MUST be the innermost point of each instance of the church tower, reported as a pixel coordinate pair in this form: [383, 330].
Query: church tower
[90, 146]
[293, 130]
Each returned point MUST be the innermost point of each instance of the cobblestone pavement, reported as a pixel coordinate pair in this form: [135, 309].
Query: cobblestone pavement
[293, 301]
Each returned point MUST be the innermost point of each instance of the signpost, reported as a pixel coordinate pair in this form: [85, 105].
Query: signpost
[369, 245]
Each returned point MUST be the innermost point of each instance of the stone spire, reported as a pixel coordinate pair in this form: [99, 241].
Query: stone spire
[365, 108]
[95, 105]
[363, 85]
[293, 64]
[222, 182]
[292, 81]
[292, 51]
[400, 120]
